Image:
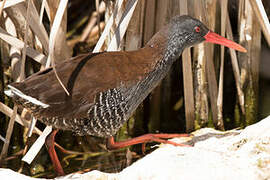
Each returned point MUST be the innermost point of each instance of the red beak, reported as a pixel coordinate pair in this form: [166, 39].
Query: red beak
[217, 39]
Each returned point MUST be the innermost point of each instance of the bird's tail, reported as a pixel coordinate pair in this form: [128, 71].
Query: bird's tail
[19, 96]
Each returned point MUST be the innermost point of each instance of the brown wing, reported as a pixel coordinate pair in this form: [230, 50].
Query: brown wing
[85, 76]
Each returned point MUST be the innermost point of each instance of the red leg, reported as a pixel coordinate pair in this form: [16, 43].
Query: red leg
[161, 138]
[50, 146]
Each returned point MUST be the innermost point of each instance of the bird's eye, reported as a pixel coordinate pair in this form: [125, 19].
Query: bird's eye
[197, 29]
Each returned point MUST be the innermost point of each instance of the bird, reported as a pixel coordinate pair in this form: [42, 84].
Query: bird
[106, 88]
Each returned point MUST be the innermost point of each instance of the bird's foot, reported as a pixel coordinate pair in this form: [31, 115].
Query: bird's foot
[161, 138]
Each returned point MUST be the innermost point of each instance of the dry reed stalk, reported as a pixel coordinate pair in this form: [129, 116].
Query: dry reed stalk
[250, 37]
[31, 127]
[187, 78]
[122, 27]
[210, 68]
[200, 87]
[235, 67]
[134, 34]
[98, 15]
[9, 3]
[41, 13]
[8, 111]
[37, 56]
[35, 148]
[93, 21]
[262, 17]
[22, 70]
[14, 52]
[2, 139]
[223, 4]
[95, 31]
[3, 47]
[61, 49]
[92, 38]
[33, 20]
[149, 20]
[142, 16]
[200, 78]
[47, 9]
[106, 33]
[8, 134]
[2, 7]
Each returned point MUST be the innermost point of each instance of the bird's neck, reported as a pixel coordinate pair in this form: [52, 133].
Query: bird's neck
[164, 42]
[160, 54]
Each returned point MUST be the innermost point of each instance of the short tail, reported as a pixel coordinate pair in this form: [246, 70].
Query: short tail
[17, 94]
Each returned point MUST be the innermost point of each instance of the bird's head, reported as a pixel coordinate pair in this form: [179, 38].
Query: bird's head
[187, 31]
